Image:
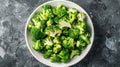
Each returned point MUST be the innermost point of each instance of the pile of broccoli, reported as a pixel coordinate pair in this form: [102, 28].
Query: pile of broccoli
[59, 33]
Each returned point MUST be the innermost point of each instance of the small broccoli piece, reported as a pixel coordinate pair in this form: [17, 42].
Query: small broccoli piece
[57, 40]
[85, 38]
[68, 43]
[53, 31]
[72, 17]
[57, 48]
[47, 53]
[49, 47]
[74, 52]
[55, 58]
[64, 55]
[80, 43]
[81, 16]
[63, 23]
[48, 41]
[36, 18]
[65, 31]
[49, 22]
[72, 10]
[30, 26]
[37, 34]
[61, 11]
[63, 37]
[46, 6]
[73, 33]
[82, 26]
[56, 19]
[47, 12]
[38, 45]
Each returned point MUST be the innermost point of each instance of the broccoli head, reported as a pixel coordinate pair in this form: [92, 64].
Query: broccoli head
[47, 53]
[55, 58]
[74, 52]
[38, 45]
[64, 55]
[81, 16]
[61, 11]
[57, 48]
[68, 43]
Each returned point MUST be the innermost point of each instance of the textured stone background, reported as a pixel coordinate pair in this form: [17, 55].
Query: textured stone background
[106, 19]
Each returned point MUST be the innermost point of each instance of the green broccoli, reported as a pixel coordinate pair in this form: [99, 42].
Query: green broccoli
[38, 45]
[74, 52]
[49, 47]
[47, 53]
[65, 31]
[72, 17]
[47, 12]
[57, 40]
[81, 16]
[61, 11]
[73, 33]
[64, 55]
[72, 10]
[57, 48]
[37, 34]
[55, 58]
[48, 41]
[49, 22]
[68, 43]
[85, 38]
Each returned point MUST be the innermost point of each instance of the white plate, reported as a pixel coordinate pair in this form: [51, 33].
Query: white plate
[38, 55]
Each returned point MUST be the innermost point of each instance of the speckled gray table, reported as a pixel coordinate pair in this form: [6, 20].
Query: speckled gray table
[106, 19]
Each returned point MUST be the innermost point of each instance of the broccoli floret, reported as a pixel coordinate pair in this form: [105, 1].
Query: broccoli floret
[36, 18]
[74, 52]
[57, 40]
[47, 12]
[56, 19]
[82, 26]
[49, 22]
[81, 16]
[65, 31]
[68, 43]
[53, 31]
[48, 41]
[72, 17]
[61, 11]
[64, 55]
[85, 38]
[37, 34]
[46, 6]
[57, 48]
[47, 53]
[55, 58]
[80, 43]
[49, 47]
[73, 33]
[72, 10]
[38, 45]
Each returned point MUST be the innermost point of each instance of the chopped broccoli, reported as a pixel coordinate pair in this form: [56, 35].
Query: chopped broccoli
[49, 22]
[59, 33]
[64, 55]
[55, 58]
[57, 48]
[74, 52]
[72, 10]
[61, 10]
[47, 53]
[81, 16]
[38, 45]
[68, 43]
